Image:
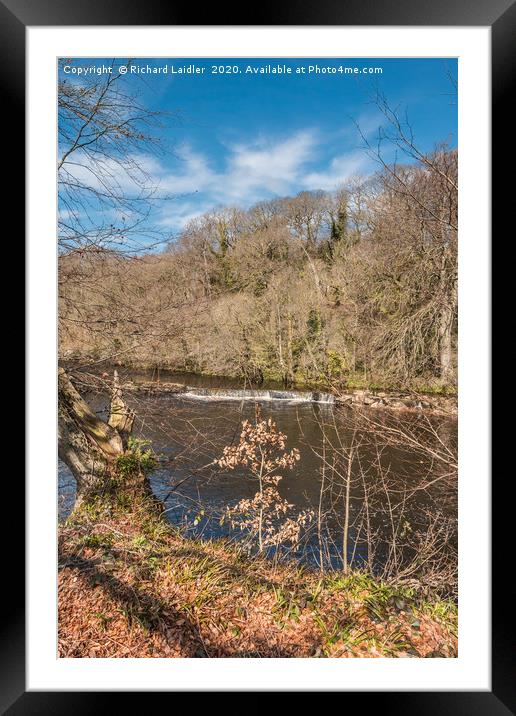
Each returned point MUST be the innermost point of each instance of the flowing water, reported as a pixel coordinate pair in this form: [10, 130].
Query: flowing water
[386, 501]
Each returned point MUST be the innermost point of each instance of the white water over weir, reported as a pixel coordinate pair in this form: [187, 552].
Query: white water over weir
[242, 394]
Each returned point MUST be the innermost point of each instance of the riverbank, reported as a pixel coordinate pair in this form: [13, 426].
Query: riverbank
[130, 585]
[347, 382]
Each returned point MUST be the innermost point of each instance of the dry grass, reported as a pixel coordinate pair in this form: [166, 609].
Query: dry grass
[131, 586]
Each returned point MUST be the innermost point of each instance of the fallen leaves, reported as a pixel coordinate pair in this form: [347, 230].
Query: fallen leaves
[202, 599]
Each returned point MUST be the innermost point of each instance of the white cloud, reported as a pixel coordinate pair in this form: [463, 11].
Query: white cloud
[251, 172]
[177, 213]
[195, 174]
[268, 167]
[338, 171]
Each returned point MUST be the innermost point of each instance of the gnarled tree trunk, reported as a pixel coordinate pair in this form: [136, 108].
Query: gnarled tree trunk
[88, 445]
[121, 418]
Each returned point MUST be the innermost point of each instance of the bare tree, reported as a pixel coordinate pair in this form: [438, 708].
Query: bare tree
[425, 194]
[107, 140]
[105, 193]
[403, 526]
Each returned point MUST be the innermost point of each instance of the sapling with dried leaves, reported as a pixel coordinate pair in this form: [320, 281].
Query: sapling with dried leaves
[262, 449]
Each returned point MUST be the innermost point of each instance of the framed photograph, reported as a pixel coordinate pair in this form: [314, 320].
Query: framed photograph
[258, 290]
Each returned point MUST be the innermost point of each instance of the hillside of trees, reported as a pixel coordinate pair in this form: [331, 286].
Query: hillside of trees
[352, 287]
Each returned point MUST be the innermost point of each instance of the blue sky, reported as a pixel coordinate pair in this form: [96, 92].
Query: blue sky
[242, 137]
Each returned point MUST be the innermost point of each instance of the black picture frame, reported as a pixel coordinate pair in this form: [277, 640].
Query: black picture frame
[500, 15]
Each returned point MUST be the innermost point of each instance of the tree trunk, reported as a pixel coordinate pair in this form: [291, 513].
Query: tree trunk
[446, 325]
[445, 344]
[86, 444]
[121, 417]
[446, 318]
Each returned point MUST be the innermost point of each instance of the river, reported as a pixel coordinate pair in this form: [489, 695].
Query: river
[402, 495]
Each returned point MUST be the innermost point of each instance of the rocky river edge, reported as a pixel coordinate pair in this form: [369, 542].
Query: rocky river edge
[355, 398]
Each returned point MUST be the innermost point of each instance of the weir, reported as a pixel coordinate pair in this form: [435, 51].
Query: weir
[243, 394]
